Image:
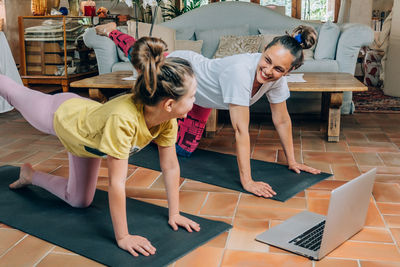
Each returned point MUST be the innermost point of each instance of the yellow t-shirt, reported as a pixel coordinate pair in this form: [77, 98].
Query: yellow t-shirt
[117, 128]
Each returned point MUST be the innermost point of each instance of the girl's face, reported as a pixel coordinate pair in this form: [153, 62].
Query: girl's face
[275, 62]
[185, 103]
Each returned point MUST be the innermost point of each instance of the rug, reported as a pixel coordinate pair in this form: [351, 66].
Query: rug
[374, 100]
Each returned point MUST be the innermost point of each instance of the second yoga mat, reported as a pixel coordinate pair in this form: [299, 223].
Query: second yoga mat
[222, 170]
[89, 231]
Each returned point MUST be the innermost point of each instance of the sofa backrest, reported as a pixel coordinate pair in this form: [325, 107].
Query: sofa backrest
[225, 15]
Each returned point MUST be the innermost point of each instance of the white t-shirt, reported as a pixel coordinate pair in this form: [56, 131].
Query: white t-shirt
[229, 80]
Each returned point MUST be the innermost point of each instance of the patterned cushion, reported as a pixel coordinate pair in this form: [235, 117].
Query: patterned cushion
[211, 37]
[232, 45]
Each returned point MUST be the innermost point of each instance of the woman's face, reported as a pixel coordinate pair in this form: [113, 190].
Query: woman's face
[185, 103]
[275, 62]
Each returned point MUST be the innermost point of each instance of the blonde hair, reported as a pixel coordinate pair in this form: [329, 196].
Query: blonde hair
[159, 77]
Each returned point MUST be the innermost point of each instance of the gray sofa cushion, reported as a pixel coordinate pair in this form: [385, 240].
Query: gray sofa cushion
[327, 41]
[122, 66]
[211, 37]
[322, 65]
[185, 33]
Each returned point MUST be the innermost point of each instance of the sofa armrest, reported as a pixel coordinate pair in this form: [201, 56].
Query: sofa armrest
[353, 36]
[105, 49]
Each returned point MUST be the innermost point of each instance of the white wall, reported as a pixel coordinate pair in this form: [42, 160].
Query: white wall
[392, 77]
[361, 11]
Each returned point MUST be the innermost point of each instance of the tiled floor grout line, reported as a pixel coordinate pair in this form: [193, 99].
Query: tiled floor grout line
[155, 180]
[204, 202]
[16, 243]
[44, 256]
[386, 225]
[130, 176]
[230, 231]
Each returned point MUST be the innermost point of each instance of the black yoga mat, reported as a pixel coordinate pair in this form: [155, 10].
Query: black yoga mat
[89, 231]
[222, 170]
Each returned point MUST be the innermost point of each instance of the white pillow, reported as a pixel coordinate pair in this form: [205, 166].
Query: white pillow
[194, 46]
[165, 33]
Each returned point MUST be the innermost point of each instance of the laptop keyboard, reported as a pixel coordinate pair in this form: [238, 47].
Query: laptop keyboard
[310, 239]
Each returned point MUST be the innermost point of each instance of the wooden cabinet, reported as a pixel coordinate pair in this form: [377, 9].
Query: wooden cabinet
[53, 51]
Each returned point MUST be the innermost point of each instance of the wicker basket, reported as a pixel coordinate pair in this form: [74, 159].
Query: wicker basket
[39, 7]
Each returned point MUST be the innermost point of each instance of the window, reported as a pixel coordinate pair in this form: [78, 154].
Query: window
[322, 10]
[286, 3]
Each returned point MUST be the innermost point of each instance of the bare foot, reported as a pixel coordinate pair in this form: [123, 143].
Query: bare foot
[25, 177]
[105, 29]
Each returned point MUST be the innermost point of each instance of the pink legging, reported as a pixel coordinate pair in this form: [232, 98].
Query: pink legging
[38, 109]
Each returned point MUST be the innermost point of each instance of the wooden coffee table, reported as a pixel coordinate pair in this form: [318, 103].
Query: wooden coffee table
[331, 85]
[102, 85]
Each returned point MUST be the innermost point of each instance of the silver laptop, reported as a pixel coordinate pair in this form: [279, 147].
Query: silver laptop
[313, 235]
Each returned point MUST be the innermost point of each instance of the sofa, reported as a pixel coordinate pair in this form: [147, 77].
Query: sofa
[337, 51]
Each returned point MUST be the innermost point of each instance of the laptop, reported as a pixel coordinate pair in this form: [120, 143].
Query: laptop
[313, 235]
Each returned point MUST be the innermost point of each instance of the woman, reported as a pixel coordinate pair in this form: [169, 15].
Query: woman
[234, 83]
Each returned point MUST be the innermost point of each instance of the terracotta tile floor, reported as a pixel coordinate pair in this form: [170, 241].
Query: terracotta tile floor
[367, 140]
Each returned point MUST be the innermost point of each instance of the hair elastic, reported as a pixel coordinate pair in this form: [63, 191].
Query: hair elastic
[298, 38]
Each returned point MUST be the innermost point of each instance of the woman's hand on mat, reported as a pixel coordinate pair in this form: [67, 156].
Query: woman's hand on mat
[297, 168]
[260, 189]
[179, 220]
[135, 244]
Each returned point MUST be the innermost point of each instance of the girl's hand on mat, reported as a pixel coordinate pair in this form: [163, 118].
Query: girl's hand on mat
[297, 168]
[260, 189]
[178, 220]
[135, 244]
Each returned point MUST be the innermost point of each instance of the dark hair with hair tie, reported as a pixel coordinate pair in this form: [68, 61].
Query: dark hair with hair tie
[302, 37]
[159, 78]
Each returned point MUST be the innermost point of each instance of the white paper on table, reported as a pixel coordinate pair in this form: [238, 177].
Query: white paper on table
[130, 78]
[295, 78]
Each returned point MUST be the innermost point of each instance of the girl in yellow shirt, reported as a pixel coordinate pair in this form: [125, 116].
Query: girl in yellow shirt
[164, 91]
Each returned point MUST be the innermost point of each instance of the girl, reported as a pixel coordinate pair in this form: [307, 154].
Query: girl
[234, 83]
[89, 130]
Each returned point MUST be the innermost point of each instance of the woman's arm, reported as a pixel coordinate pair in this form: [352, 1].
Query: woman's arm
[117, 172]
[240, 118]
[283, 125]
[171, 173]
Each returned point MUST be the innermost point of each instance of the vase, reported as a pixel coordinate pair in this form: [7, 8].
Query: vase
[39, 7]
[73, 7]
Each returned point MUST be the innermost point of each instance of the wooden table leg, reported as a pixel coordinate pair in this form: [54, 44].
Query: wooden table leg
[95, 94]
[211, 125]
[335, 102]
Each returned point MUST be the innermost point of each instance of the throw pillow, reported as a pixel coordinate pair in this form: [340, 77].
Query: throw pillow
[194, 46]
[232, 45]
[211, 37]
[165, 33]
[327, 41]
